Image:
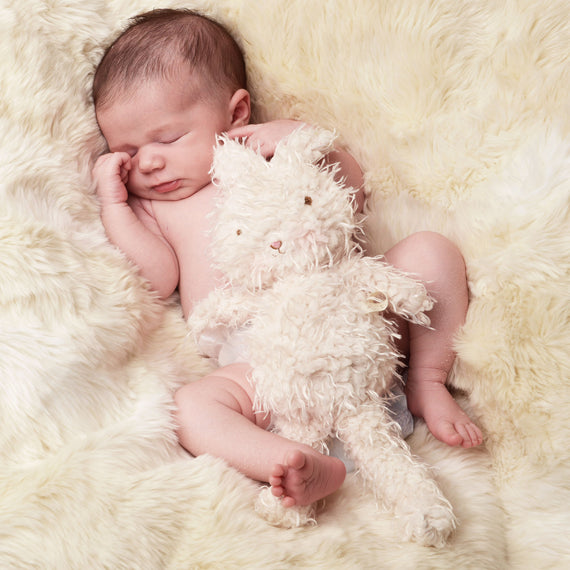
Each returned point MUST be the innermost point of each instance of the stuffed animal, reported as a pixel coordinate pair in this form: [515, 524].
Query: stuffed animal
[312, 312]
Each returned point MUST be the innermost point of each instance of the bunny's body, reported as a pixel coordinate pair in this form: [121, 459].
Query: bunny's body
[314, 315]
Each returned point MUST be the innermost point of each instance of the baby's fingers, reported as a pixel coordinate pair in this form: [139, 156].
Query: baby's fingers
[242, 132]
[113, 163]
[111, 173]
[122, 161]
[124, 170]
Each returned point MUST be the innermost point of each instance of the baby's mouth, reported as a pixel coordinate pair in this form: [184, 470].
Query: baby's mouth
[167, 186]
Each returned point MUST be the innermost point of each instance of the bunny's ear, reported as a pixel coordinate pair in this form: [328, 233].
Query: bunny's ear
[222, 150]
[309, 144]
[232, 161]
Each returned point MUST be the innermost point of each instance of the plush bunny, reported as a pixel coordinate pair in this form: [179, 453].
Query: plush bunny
[311, 310]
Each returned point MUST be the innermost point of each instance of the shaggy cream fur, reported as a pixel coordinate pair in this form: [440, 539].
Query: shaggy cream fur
[459, 113]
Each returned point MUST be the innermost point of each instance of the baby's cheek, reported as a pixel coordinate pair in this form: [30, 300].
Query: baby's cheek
[133, 185]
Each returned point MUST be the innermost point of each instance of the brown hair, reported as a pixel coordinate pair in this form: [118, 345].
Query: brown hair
[161, 44]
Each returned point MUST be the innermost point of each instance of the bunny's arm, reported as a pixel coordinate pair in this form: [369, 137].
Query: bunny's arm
[228, 308]
[391, 289]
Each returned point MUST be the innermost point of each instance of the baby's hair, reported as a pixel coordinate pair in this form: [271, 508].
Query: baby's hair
[163, 43]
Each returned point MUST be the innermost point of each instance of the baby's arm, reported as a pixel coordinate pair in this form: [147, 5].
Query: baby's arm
[149, 251]
[350, 172]
[266, 136]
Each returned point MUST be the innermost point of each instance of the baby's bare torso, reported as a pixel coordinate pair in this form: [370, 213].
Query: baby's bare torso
[184, 224]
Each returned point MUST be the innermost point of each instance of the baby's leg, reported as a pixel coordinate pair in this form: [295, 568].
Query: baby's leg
[215, 415]
[439, 264]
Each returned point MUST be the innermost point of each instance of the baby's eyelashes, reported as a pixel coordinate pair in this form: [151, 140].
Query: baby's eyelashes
[170, 140]
[171, 137]
[132, 151]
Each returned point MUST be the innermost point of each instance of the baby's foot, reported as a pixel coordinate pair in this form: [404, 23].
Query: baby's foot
[430, 399]
[306, 477]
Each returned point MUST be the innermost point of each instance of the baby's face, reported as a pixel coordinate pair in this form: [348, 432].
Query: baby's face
[169, 136]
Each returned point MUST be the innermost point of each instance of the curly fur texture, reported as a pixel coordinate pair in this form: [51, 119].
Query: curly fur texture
[458, 114]
[316, 325]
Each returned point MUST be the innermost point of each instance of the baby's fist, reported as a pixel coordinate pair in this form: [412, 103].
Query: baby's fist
[111, 173]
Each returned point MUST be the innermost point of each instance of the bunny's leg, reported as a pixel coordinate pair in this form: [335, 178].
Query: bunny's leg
[400, 482]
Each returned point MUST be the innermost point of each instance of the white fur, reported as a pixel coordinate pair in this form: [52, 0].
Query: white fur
[458, 113]
[317, 331]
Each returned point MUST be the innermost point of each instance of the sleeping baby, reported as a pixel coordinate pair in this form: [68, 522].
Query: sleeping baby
[164, 90]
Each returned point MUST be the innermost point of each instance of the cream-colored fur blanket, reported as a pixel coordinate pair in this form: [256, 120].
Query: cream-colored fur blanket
[458, 111]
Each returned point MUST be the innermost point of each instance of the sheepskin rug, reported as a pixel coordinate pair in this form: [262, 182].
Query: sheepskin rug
[458, 111]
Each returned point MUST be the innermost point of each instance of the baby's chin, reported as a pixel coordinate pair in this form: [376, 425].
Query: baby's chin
[170, 192]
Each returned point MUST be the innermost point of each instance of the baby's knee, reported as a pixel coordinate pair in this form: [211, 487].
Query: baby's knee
[187, 399]
[184, 395]
[227, 388]
[442, 256]
[435, 248]
[200, 394]
[429, 255]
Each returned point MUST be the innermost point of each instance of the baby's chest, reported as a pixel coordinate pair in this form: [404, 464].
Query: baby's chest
[174, 220]
[185, 226]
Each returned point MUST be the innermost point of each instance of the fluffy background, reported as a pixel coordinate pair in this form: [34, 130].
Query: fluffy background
[459, 113]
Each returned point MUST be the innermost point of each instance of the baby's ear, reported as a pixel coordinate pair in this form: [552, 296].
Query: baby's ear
[307, 144]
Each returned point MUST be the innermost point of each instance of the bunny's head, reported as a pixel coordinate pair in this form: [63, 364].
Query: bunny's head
[284, 215]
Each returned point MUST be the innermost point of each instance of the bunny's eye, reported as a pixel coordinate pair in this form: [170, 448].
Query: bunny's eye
[238, 232]
[308, 200]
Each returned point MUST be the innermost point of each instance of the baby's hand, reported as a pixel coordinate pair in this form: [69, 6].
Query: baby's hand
[111, 172]
[264, 137]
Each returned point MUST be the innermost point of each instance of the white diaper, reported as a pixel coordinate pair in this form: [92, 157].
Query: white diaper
[227, 347]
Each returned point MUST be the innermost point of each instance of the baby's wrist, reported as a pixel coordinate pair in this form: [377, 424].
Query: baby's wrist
[112, 198]
[114, 209]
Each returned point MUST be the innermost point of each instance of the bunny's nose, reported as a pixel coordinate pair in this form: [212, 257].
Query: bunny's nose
[276, 245]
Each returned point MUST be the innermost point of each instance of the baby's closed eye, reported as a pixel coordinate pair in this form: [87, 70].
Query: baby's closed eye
[168, 140]
[171, 138]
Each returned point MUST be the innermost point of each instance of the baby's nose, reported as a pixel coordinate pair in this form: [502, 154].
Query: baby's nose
[276, 244]
[149, 161]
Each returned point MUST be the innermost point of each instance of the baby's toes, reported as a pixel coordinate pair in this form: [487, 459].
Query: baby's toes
[278, 471]
[276, 481]
[277, 491]
[475, 435]
[450, 433]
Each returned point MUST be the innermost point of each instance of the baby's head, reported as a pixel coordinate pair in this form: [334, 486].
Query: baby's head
[167, 86]
[170, 45]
